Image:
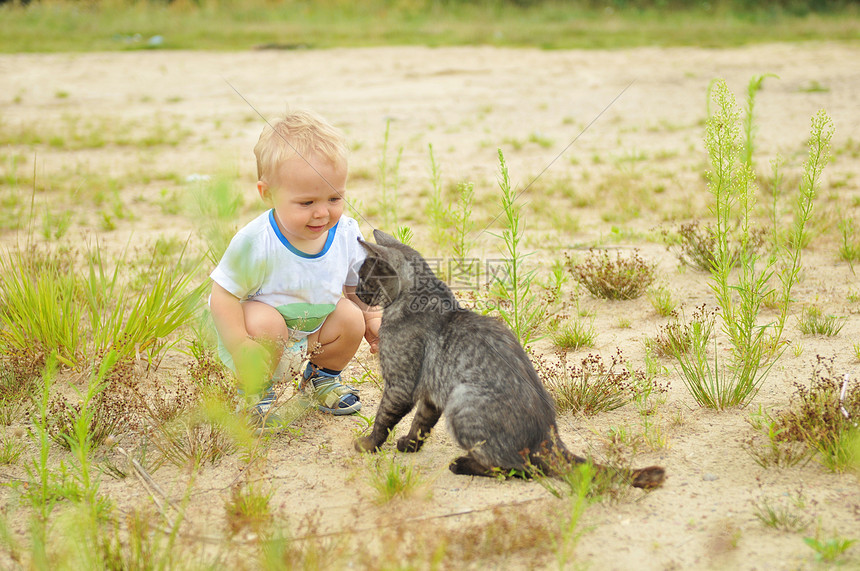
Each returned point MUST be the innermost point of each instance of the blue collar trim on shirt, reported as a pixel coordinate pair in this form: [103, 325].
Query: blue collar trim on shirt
[295, 250]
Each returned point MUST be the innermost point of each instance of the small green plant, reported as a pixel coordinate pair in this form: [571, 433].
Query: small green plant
[593, 386]
[652, 363]
[676, 336]
[11, 447]
[620, 279]
[653, 433]
[369, 374]
[814, 322]
[814, 86]
[248, 508]
[661, 300]
[80, 439]
[555, 282]
[41, 490]
[823, 416]
[584, 481]
[141, 322]
[437, 212]
[131, 544]
[541, 140]
[849, 250]
[191, 439]
[41, 310]
[619, 438]
[462, 223]
[404, 234]
[364, 423]
[574, 334]
[649, 393]
[19, 372]
[580, 481]
[55, 227]
[708, 385]
[281, 550]
[48, 484]
[696, 245]
[785, 513]
[391, 479]
[776, 452]
[842, 453]
[829, 550]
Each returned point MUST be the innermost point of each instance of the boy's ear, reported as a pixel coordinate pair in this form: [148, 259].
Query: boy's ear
[384, 239]
[265, 191]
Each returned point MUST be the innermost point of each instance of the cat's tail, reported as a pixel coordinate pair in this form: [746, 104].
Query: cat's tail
[556, 459]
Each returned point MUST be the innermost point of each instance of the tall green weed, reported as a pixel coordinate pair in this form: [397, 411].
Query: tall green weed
[389, 181]
[741, 294]
[524, 312]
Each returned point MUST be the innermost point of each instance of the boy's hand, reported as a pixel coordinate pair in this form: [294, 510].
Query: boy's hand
[252, 366]
[371, 332]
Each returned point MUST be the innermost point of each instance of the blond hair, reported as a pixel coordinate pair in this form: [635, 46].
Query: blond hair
[299, 133]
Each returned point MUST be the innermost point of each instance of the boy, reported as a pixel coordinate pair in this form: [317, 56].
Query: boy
[277, 291]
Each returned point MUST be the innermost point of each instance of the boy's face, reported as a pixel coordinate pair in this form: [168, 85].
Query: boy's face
[307, 198]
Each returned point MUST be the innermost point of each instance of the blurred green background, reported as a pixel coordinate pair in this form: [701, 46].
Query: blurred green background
[66, 25]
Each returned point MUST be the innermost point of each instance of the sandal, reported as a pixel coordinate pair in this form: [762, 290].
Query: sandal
[259, 411]
[263, 422]
[331, 396]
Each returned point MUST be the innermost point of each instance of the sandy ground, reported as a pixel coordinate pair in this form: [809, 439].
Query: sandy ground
[622, 129]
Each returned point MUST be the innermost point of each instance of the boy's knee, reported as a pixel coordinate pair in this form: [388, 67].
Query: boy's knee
[353, 318]
[264, 321]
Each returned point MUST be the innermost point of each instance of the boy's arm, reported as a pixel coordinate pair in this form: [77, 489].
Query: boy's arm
[228, 317]
[372, 318]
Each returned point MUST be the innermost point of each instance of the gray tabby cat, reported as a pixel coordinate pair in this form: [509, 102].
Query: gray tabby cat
[442, 357]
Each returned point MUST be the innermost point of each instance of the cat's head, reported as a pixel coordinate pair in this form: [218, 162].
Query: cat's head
[387, 270]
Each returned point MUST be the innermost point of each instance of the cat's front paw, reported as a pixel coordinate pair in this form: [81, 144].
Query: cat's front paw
[406, 444]
[366, 444]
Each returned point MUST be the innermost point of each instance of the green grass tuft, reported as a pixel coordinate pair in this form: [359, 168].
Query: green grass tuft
[620, 279]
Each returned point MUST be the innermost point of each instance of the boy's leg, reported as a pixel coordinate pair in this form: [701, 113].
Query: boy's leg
[266, 326]
[262, 321]
[331, 348]
[334, 344]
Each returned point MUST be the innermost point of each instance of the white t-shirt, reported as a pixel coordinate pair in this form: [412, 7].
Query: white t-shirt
[260, 264]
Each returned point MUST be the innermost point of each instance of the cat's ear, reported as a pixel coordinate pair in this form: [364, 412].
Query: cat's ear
[372, 249]
[378, 282]
[384, 239]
